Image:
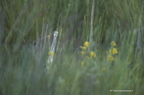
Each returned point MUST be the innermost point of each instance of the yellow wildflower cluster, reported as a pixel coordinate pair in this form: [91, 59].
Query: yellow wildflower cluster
[112, 51]
[84, 51]
[86, 44]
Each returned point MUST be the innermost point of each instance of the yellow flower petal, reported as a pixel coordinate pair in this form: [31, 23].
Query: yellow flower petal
[110, 58]
[86, 43]
[51, 53]
[82, 52]
[113, 43]
[92, 54]
[113, 51]
[83, 47]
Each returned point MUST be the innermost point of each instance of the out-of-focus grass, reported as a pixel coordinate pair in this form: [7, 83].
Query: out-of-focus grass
[24, 47]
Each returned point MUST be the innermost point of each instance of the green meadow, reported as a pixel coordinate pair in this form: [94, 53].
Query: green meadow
[99, 49]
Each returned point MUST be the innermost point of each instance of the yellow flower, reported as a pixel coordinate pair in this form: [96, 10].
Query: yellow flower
[48, 36]
[82, 52]
[113, 43]
[103, 69]
[51, 53]
[113, 51]
[86, 43]
[92, 54]
[110, 58]
[82, 47]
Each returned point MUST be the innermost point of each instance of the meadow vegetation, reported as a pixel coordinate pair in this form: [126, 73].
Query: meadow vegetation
[99, 49]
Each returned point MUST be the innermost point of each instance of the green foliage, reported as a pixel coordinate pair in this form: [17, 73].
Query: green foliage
[24, 47]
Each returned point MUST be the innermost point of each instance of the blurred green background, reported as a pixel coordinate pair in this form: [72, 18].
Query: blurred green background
[24, 45]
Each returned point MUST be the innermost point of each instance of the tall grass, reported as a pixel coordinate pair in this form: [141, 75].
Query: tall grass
[24, 47]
